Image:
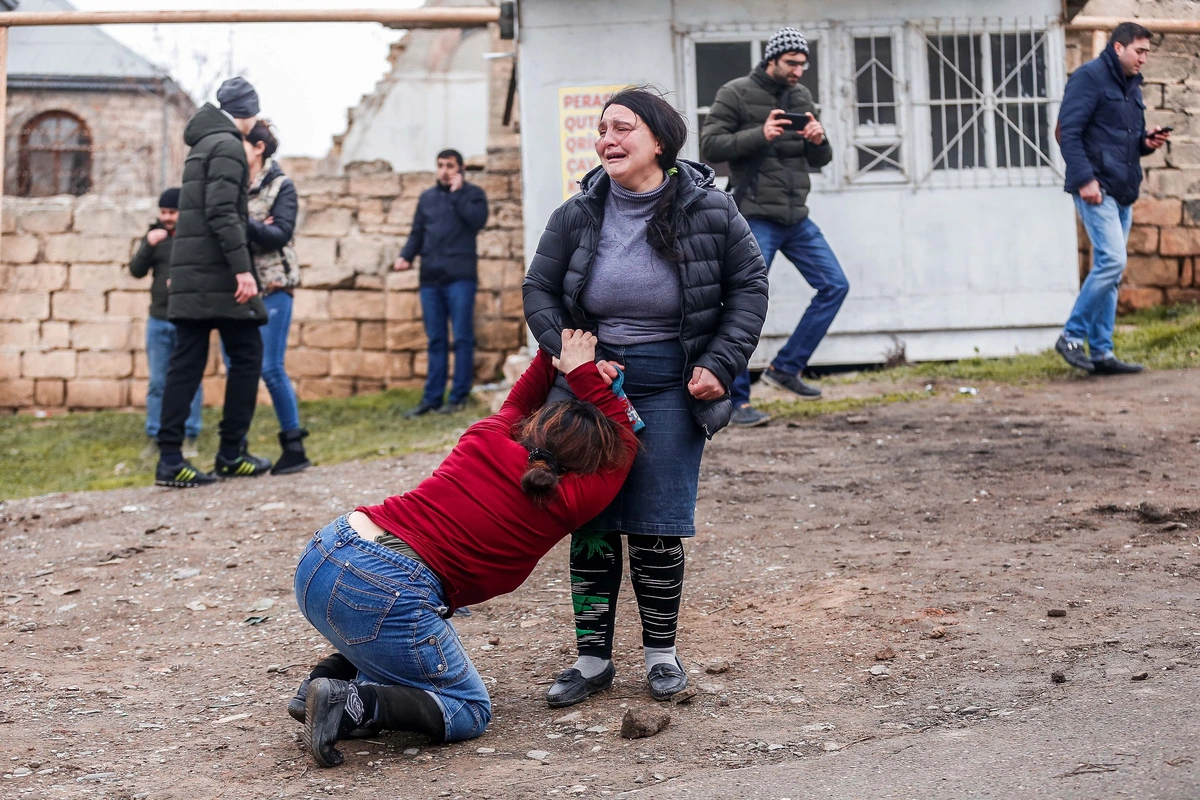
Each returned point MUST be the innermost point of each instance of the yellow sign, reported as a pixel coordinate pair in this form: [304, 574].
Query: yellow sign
[579, 110]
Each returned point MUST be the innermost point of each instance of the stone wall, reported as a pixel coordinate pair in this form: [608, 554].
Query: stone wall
[1164, 244]
[72, 319]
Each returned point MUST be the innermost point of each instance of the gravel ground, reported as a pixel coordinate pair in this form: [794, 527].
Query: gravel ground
[875, 604]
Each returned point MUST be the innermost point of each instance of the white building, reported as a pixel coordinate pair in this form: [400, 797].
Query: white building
[944, 202]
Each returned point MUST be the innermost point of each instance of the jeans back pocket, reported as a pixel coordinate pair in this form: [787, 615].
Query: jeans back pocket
[442, 657]
[358, 607]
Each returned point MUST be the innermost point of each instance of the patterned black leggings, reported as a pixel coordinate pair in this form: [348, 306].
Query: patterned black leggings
[656, 572]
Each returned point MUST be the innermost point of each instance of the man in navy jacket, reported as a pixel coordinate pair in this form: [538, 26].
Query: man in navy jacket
[448, 217]
[1102, 125]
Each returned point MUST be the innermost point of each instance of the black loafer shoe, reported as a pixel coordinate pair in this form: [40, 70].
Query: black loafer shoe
[667, 680]
[1115, 366]
[791, 383]
[419, 411]
[571, 687]
[1072, 353]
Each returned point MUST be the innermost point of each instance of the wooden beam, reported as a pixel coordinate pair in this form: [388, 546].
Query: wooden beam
[441, 17]
[3, 111]
[1157, 26]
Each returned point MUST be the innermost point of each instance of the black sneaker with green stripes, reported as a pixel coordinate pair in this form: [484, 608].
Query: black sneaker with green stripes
[244, 466]
[182, 476]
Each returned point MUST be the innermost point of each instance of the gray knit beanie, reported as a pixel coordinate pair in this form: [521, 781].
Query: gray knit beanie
[238, 98]
[785, 40]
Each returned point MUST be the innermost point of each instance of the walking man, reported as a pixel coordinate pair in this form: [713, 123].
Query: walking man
[213, 286]
[1102, 125]
[770, 160]
[448, 217]
[153, 257]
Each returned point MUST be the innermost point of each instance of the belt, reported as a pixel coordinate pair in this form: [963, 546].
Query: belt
[397, 545]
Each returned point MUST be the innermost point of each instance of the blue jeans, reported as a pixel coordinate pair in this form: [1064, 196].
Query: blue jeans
[1095, 313]
[275, 338]
[381, 610]
[160, 341]
[452, 304]
[804, 245]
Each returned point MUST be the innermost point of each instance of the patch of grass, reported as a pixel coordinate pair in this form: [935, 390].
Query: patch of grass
[797, 409]
[1160, 338]
[100, 450]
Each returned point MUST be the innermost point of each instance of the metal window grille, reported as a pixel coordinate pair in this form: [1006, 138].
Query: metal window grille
[55, 156]
[877, 135]
[989, 98]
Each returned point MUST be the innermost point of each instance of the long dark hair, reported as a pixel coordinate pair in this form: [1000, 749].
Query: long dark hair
[669, 127]
[261, 132]
[567, 436]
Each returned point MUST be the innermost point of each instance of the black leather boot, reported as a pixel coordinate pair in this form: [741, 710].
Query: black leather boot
[293, 458]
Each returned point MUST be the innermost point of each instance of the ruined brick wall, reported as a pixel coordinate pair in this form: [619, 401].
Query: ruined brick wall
[1164, 244]
[72, 319]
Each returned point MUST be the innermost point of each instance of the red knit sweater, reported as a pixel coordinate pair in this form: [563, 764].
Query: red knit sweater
[471, 522]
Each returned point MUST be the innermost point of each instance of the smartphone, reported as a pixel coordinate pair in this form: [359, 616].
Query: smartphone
[798, 120]
[1166, 129]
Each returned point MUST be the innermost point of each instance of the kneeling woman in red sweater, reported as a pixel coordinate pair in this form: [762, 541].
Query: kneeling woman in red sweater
[382, 582]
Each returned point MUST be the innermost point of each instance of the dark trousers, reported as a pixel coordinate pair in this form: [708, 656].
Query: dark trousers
[449, 305]
[243, 345]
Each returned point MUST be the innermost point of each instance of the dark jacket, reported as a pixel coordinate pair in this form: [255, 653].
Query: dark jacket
[210, 237]
[733, 132]
[154, 259]
[443, 233]
[276, 235]
[1102, 124]
[723, 276]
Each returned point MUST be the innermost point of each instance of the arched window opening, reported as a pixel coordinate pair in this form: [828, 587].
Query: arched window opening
[55, 156]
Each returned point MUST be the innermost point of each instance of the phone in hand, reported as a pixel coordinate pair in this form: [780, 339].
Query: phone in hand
[798, 121]
[1166, 129]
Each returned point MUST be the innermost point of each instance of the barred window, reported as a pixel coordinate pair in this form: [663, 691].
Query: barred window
[877, 135]
[55, 156]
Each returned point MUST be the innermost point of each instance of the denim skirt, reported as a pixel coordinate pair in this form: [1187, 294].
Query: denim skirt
[659, 497]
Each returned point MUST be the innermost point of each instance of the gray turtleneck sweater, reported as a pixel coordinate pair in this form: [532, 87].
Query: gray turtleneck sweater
[632, 293]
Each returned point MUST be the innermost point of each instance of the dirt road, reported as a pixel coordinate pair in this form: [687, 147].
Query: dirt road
[881, 598]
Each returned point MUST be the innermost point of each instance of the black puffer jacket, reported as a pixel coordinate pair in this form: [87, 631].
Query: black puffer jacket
[210, 238]
[723, 276]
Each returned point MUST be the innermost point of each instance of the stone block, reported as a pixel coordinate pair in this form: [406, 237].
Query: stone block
[312, 251]
[371, 214]
[399, 366]
[507, 216]
[414, 183]
[95, 214]
[368, 386]
[11, 205]
[335, 334]
[19, 335]
[104, 364]
[16, 393]
[55, 335]
[373, 283]
[99, 278]
[303, 362]
[1173, 182]
[37, 278]
[97, 394]
[76, 248]
[356, 305]
[1143, 239]
[407, 336]
[333, 221]
[327, 276]
[367, 254]
[420, 364]
[494, 244]
[491, 274]
[512, 304]
[137, 393]
[10, 363]
[1179, 241]
[73, 306]
[402, 211]
[1183, 154]
[402, 306]
[24, 307]
[498, 334]
[310, 304]
[497, 187]
[141, 365]
[507, 159]
[357, 364]
[321, 184]
[487, 366]
[18, 249]
[1136, 298]
[372, 336]
[214, 391]
[380, 184]
[48, 364]
[375, 166]
[103, 335]
[318, 388]
[1182, 295]
[49, 218]
[49, 393]
[134, 305]
[402, 280]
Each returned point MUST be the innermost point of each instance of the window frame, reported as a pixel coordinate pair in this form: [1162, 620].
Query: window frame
[877, 136]
[25, 182]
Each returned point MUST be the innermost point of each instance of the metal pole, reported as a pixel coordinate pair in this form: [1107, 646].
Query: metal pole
[3, 112]
[441, 17]
[1158, 26]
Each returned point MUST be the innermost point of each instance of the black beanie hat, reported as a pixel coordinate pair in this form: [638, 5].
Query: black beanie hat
[238, 98]
[169, 198]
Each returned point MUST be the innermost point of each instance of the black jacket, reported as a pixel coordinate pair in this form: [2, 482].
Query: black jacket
[723, 276]
[154, 259]
[1102, 125]
[733, 132]
[276, 235]
[210, 238]
[443, 233]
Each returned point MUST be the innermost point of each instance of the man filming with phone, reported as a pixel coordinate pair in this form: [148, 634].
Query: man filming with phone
[1102, 133]
[766, 127]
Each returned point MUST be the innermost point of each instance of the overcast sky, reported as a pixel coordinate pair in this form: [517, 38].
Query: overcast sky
[306, 74]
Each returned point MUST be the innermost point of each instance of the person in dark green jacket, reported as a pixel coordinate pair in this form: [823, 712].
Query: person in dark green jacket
[213, 286]
[153, 257]
[770, 159]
